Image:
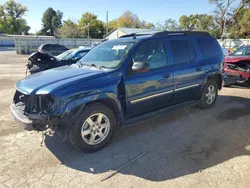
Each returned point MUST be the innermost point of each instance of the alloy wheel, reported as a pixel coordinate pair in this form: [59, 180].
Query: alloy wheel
[210, 95]
[95, 129]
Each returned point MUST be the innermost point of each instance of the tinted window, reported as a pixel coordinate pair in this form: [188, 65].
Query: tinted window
[54, 47]
[46, 47]
[61, 47]
[182, 51]
[248, 51]
[151, 52]
[209, 47]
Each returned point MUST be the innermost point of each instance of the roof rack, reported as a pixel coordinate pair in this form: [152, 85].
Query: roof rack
[169, 33]
[134, 35]
[185, 33]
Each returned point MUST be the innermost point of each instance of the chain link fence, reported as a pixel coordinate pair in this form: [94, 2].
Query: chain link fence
[29, 45]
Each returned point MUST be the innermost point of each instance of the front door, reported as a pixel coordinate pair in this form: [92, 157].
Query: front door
[150, 90]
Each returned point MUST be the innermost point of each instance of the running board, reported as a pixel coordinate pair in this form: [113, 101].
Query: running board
[157, 113]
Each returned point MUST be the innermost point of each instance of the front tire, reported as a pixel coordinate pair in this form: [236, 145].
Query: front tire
[209, 95]
[94, 128]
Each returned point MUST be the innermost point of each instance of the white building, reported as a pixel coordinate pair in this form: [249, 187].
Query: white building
[118, 32]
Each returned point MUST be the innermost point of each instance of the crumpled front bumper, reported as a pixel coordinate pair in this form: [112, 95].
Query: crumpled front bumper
[21, 118]
[31, 122]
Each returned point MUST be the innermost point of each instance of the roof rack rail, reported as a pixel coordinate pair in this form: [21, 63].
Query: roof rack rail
[185, 33]
[169, 33]
[134, 35]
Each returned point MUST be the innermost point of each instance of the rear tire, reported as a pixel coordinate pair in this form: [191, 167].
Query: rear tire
[94, 128]
[209, 94]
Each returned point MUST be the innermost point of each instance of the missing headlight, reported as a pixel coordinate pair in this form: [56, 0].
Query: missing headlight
[42, 104]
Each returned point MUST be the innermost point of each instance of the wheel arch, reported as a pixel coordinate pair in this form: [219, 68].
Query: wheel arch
[110, 103]
[217, 78]
[109, 99]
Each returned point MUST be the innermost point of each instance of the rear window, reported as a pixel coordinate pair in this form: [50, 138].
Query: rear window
[61, 47]
[182, 50]
[209, 47]
[54, 46]
[46, 47]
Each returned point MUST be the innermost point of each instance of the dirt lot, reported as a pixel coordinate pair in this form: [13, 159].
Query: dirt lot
[187, 148]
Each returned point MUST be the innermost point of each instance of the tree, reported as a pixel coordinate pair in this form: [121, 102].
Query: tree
[189, 23]
[169, 25]
[199, 22]
[146, 25]
[69, 29]
[129, 20]
[241, 26]
[51, 21]
[226, 11]
[91, 26]
[11, 20]
[112, 24]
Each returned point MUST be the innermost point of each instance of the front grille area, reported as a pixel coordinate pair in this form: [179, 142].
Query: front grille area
[35, 104]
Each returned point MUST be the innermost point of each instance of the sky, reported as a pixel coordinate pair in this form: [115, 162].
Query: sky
[148, 10]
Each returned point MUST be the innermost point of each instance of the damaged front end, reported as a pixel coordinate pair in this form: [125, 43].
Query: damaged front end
[35, 112]
[240, 69]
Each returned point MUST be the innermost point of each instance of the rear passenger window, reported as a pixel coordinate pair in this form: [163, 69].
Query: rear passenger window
[209, 47]
[182, 50]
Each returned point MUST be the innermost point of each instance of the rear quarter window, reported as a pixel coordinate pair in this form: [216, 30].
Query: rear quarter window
[209, 47]
[46, 47]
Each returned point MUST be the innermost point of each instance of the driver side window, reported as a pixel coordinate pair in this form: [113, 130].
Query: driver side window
[152, 53]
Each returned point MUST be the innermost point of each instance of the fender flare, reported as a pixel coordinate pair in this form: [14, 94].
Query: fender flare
[80, 103]
[210, 76]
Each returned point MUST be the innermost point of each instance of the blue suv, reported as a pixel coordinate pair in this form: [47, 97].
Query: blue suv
[121, 82]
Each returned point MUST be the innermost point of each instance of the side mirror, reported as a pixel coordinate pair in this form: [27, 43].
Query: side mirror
[140, 67]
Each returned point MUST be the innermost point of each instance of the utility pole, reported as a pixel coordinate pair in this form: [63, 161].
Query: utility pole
[107, 22]
[88, 31]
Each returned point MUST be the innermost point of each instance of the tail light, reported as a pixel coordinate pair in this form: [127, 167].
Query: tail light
[40, 50]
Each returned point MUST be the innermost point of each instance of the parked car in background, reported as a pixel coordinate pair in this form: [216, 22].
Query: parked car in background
[225, 51]
[230, 79]
[238, 63]
[42, 61]
[52, 49]
[120, 82]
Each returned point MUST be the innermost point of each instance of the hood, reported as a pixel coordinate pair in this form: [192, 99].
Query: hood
[46, 81]
[235, 59]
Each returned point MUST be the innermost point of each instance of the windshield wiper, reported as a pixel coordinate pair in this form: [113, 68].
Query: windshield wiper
[91, 65]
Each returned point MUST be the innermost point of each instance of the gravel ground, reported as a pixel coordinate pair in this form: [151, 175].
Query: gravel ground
[187, 148]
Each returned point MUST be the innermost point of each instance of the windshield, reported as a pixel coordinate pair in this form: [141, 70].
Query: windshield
[65, 55]
[107, 54]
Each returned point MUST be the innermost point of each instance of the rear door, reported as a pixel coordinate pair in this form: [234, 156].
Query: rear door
[187, 70]
[151, 90]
